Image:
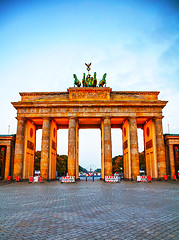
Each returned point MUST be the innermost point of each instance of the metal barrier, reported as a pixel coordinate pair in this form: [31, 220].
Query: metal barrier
[68, 179]
[111, 179]
[143, 178]
[35, 179]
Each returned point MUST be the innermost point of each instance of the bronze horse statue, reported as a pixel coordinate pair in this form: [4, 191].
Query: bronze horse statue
[94, 80]
[103, 81]
[76, 81]
[84, 81]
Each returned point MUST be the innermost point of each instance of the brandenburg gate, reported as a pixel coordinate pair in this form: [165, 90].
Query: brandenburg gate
[89, 107]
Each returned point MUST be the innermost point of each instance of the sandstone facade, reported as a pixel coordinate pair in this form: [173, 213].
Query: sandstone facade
[98, 107]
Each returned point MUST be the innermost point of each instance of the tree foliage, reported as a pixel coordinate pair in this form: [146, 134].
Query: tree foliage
[81, 169]
[62, 164]
[117, 164]
[142, 164]
[37, 160]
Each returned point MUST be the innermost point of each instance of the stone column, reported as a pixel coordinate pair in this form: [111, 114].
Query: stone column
[77, 151]
[172, 160]
[134, 148]
[107, 148]
[19, 148]
[161, 163]
[167, 159]
[7, 162]
[1, 164]
[102, 149]
[3, 149]
[45, 149]
[72, 147]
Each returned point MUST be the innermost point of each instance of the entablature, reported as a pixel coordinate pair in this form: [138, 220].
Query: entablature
[89, 94]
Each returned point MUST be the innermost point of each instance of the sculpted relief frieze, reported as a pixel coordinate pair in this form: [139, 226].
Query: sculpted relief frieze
[89, 95]
[89, 111]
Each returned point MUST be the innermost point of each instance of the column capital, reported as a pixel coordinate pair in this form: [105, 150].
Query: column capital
[158, 118]
[107, 117]
[21, 118]
[46, 118]
[131, 118]
[71, 118]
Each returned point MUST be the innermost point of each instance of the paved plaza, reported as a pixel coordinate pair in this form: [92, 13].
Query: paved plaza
[89, 210]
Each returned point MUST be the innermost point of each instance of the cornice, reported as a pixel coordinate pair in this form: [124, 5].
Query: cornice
[136, 92]
[90, 89]
[41, 93]
[105, 103]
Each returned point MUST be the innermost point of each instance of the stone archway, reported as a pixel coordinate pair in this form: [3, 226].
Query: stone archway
[90, 107]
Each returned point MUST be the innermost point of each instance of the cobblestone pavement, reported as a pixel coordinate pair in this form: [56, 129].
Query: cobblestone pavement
[89, 210]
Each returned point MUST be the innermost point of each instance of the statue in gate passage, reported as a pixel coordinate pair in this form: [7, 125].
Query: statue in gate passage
[103, 81]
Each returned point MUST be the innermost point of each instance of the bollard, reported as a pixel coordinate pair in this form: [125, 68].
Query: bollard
[93, 178]
[165, 177]
[174, 177]
[86, 179]
[30, 179]
[40, 179]
[9, 178]
[148, 178]
[17, 178]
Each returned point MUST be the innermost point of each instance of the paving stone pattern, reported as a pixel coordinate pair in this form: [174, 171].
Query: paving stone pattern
[89, 210]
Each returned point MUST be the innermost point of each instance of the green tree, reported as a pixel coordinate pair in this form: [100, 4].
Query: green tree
[98, 170]
[81, 169]
[117, 164]
[142, 165]
[37, 160]
[62, 164]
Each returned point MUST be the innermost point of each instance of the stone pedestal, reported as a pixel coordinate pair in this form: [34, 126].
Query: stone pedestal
[160, 148]
[19, 148]
[134, 148]
[45, 149]
[107, 148]
[172, 160]
[72, 147]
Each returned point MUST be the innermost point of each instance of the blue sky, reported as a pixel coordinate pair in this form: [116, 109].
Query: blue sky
[42, 43]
